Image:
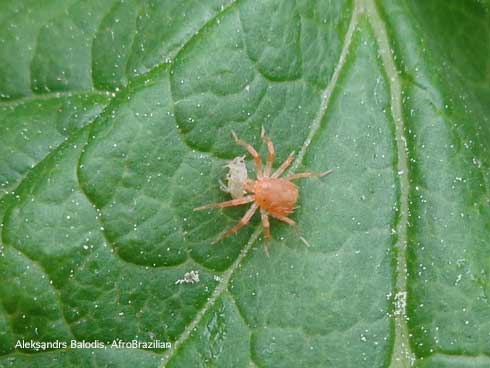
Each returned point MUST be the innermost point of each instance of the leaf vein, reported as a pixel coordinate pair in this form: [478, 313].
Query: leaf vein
[328, 91]
[402, 356]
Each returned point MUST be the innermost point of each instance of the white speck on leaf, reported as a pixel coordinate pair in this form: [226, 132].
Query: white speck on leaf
[190, 277]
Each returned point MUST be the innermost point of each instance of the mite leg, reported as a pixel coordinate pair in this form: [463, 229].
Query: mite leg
[253, 153]
[285, 219]
[308, 175]
[267, 230]
[293, 223]
[233, 202]
[243, 221]
[284, 166]
[272, 153]
[266, 224]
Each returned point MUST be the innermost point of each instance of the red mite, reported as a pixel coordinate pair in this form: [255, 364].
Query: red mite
[274, 196]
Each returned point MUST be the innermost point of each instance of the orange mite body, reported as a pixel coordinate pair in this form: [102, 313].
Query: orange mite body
[276, 196]
[272, 195]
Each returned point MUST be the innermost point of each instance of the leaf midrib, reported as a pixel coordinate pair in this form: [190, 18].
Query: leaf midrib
[402, 356]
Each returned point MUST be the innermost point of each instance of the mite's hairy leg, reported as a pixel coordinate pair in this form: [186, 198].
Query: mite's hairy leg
[243, 221]
[231, 203]
[253, 153]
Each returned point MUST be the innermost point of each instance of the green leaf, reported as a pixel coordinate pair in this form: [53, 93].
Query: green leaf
[115, 121]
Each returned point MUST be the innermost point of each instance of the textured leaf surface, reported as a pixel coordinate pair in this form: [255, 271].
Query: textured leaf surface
[115, 122]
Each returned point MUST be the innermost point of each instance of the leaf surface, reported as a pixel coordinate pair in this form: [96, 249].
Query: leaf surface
[115, 122]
